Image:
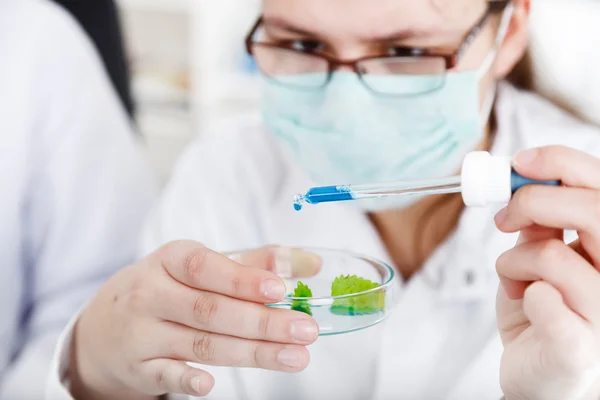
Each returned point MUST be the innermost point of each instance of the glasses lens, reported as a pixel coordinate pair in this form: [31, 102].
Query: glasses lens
[291, 68]
[411, 75]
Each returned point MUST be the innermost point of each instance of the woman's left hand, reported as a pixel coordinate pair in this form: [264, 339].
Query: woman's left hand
[549, 301]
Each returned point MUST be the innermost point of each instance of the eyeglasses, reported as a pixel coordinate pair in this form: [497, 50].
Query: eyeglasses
[425, 70]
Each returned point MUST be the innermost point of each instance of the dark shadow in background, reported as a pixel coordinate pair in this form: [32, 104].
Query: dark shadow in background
[100, 19]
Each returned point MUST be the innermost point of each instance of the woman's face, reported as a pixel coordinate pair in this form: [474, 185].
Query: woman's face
[349, 29]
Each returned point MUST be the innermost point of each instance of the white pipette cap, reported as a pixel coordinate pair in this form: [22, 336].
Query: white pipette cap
[485, 179]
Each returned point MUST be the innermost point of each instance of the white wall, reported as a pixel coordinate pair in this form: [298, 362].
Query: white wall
[222, 85]
[188, 62]
[159, 44]
[565, 45]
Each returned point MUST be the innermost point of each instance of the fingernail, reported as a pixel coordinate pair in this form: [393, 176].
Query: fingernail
[273, 289]
[501, 216]
[290, 358]
[304, 331]
[196, 383]
[525, 157]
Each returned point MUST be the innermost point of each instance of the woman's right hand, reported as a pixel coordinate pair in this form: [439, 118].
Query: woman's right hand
[186, 303]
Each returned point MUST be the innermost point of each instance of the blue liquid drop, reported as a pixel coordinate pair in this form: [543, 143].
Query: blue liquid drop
[299, 202]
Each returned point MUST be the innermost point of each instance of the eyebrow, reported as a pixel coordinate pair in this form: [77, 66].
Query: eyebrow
[400, 35]
[275, 22]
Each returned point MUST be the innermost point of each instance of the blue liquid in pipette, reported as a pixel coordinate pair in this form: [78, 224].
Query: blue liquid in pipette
[324, 194]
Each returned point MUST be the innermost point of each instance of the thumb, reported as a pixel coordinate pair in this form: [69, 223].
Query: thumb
[286, 262]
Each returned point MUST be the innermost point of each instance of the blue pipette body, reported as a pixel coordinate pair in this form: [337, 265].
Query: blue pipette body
[517, 181]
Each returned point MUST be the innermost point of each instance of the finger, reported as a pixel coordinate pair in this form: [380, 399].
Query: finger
[196, 266]
[165, 376]
[207, 348]
[553, 207]
[286, 262]
[228, 316]
[537, 233]
[573, 167]
[557, 264]
[557, 324]
[578, 247]
[557, 208]
[510, 318]
[531, 233]
[515, 289]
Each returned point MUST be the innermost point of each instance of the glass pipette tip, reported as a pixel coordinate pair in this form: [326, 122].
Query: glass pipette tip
[424, 187]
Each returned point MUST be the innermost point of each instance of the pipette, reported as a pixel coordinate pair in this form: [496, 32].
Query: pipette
[484, 180]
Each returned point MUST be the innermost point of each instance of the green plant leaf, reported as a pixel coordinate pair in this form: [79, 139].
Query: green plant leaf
[302, 291]
[360, 305]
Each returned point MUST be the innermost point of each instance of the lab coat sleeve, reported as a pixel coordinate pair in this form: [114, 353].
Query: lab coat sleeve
[88, 192]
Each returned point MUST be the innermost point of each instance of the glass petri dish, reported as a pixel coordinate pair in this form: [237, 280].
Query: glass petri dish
[348, 313]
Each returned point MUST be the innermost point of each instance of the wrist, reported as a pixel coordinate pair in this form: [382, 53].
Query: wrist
[88, 383]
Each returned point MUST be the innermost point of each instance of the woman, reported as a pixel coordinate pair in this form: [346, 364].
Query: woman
[425, 95]
[75, 186]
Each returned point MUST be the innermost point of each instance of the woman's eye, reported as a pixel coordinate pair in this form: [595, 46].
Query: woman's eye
[307, 46]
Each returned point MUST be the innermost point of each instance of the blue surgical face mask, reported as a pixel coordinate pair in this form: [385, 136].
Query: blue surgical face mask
[347, 135]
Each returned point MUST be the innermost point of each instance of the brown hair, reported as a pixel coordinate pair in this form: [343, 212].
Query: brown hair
[522, 74]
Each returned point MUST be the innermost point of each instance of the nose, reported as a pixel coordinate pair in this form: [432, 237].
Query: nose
[343, 68]
[346, 55]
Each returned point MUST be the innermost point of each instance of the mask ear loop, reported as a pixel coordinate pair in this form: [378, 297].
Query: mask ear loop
[489, 62]
[502, 32]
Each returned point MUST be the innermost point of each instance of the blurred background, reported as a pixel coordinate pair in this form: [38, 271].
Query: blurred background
[190, 68]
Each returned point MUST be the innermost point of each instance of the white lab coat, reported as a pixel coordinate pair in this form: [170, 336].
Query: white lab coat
[234, 190]
[74, 187]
